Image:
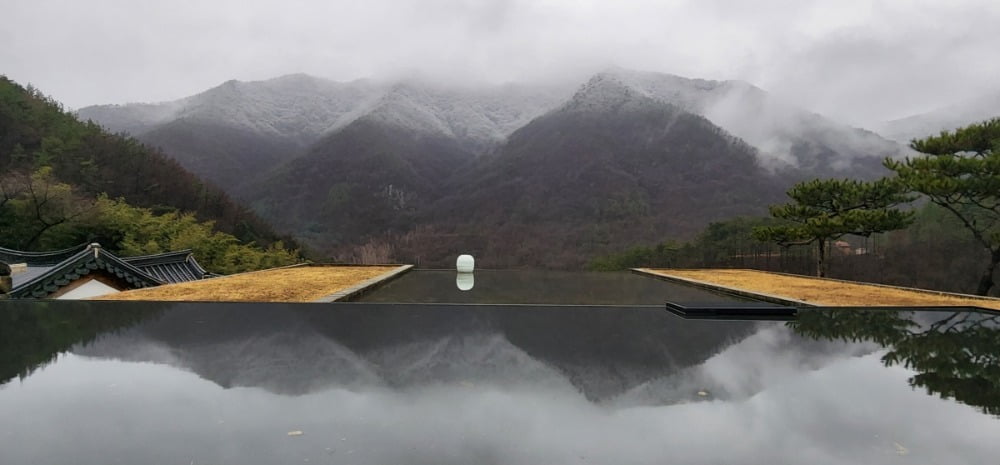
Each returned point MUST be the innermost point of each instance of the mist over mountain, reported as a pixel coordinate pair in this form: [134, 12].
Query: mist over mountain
[943, 119]
[296, 106]
[231, 133]
[787, 137]
[608, 167]
[626, 156]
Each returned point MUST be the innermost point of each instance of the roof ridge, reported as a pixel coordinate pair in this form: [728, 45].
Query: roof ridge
[23, 256]
[161, 254]
[158, 255]
[91, 252]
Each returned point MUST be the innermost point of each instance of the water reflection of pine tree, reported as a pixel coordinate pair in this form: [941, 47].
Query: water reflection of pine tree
[955, 355]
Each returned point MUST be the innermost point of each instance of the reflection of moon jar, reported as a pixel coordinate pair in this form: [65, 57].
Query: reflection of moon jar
[465, 281]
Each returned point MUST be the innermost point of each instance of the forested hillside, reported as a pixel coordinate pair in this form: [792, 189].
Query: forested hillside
[936, 252]
[607, 169]
[60, 178]
[934, 224]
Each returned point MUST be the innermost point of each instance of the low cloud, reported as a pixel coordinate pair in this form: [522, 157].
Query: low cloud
[857, 60]
[772, 399]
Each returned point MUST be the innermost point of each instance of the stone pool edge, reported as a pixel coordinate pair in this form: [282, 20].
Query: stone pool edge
[365, 286]
[770, 298]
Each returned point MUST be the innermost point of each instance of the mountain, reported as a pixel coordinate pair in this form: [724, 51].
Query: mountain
[944, 119]
[230, 133]
[389, 161]
[234, 132]
[787, 137]
[476, 118]
[272, 121]
[626, 157]
[225, 155]
[609, 167]
[35, 132]
[366, 178]
[296, 107]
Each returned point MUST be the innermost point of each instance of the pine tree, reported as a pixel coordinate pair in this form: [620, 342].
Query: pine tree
[961, 172]
[828, 209]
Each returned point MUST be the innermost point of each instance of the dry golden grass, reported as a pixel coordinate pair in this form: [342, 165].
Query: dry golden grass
[295, 284]
[824, 292]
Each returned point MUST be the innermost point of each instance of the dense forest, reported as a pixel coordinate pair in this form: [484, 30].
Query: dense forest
[933, 253]
[935, 223]
[64, 182]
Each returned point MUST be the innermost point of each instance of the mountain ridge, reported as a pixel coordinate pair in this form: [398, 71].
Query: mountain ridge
[946, 118]
[407, 160]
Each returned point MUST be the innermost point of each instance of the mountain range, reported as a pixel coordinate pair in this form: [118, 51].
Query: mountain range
[521, 175]
[295, 351]
[947, 118]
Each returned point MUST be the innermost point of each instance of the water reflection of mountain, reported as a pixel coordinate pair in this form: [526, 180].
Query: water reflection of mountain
[299, 349]
[33, 333]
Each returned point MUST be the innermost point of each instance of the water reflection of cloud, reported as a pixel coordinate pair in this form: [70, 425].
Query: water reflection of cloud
[844, 410]
[770, 356]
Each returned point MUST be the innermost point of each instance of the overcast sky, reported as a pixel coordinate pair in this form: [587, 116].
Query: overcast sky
[857, 60]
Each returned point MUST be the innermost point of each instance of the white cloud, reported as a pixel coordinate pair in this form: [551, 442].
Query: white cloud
[858, 60]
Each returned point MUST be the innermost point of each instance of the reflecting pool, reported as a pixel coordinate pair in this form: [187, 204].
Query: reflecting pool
[540, 287]
[370, 383]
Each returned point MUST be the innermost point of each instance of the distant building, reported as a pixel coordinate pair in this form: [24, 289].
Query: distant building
[843, 247]
[89, 270]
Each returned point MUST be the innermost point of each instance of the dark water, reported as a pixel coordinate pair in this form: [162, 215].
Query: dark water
[538, 287]
[151, 383]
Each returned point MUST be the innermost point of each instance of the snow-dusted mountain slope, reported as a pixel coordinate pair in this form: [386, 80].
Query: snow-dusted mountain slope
[785, 135]
[297, 107]
[303, 108]
[133, 118]
[944, 119]
[234, 133]
[474, 117]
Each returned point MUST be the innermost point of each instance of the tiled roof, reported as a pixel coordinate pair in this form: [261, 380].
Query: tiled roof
[88, 259]
[170, 267]
[47, 272]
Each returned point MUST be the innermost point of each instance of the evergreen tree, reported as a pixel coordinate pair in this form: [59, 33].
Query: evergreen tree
[828, 209]
[961, 172]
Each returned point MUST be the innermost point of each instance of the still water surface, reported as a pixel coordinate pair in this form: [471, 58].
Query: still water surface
[145, 383]
[544, 287]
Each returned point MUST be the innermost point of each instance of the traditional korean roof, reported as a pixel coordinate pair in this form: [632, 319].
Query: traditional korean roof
[38, 259]
[171, 267]
[48, 272]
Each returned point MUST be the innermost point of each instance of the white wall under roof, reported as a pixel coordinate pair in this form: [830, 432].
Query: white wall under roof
[90, 288]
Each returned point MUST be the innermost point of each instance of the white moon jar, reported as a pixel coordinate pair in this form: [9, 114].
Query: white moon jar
[465, 263]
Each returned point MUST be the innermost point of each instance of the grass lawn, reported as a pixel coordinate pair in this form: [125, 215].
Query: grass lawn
[824, 292]
[293, 284]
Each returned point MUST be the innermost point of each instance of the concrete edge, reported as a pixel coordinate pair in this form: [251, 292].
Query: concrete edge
[723, 289]
[364, 286]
